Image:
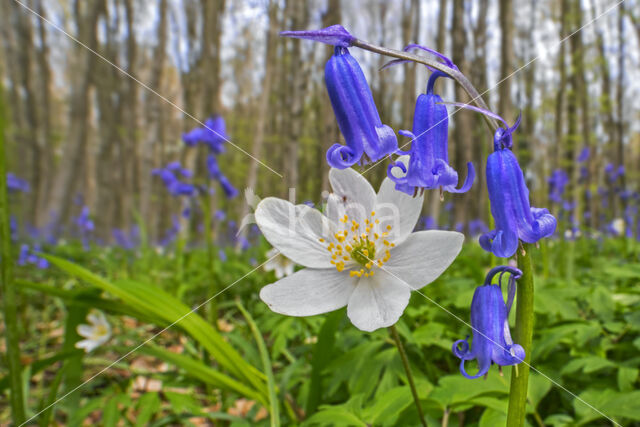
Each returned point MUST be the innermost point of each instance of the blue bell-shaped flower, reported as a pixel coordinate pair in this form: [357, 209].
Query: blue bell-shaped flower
[514, 217]
[429, 154]
[492, 341]
[356, 113]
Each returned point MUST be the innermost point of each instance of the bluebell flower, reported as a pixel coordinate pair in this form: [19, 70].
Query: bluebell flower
[220, 215]
[213, 134]
[126, 240]
[429, 154]
[358, 119]
[16, 185]
[477, 227]
[215, 174]
[584, 155]
[222, 255]
[84, 221]
[174, 185]
[428, 223]
[26, 256]
[492, 341]
[514, 217]
[557, 183]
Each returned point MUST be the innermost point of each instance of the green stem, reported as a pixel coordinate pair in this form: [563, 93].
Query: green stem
[523, 335]
[407, 369]
[8, 291]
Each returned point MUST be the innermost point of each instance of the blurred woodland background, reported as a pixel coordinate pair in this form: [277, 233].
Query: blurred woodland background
[84, 133]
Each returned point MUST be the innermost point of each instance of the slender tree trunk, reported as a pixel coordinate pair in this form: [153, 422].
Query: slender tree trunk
[46, 134]
[619, 210]
[263, 106]
[507, 59]
[462, 132]
[30, 136]
[562, 87]
[479, 78]
[155, 120]
[74, 150]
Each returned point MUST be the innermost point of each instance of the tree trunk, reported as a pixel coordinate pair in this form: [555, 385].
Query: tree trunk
[507, 62]
[462, 132]
[155, 121]
[74, 150]
[263, 106]
[46, 134]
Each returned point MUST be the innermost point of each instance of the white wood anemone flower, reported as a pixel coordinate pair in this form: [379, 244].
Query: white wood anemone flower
[361, 254]
[279, 264]
[96, 333]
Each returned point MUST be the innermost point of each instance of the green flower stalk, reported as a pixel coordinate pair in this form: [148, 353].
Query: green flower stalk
[8, 291]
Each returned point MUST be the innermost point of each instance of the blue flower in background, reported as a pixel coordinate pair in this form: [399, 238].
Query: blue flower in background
[16, 185]
[557, 184]
[84, 221]
[584, 155]
[26, 256]
[125, 240]
[174, 185]
[213, 134]
[215, 174]
[492, 341]
[429, 154]
[477, 227]
[514, 217]
[86, 226]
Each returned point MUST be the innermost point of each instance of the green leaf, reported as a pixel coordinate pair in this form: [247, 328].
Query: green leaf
[199, 370]
[321, 357]
[155, 302]
[626, 378]
[609, 404]
[266, 365]
[334, 416]
[148, 405]
[388, 406]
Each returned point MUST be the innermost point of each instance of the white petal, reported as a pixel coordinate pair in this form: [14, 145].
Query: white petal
[309, 292]
[355, 196]
[378, 301]
[424, 256]
[397, 209]
[295, 231]
[85, 331]
[88, 345]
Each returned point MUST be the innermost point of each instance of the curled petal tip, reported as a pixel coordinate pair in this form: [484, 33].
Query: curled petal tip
[335, 35]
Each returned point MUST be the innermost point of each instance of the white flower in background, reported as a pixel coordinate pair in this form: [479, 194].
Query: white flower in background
[96, 333]
[617, 225]
[362, 254]
[278, 263]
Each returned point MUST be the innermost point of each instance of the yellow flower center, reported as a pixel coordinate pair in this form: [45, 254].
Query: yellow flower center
[357, 244]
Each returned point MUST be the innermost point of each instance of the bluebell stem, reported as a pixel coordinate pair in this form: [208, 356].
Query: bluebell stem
[213, 134]
[492, 341]
[429, 154]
